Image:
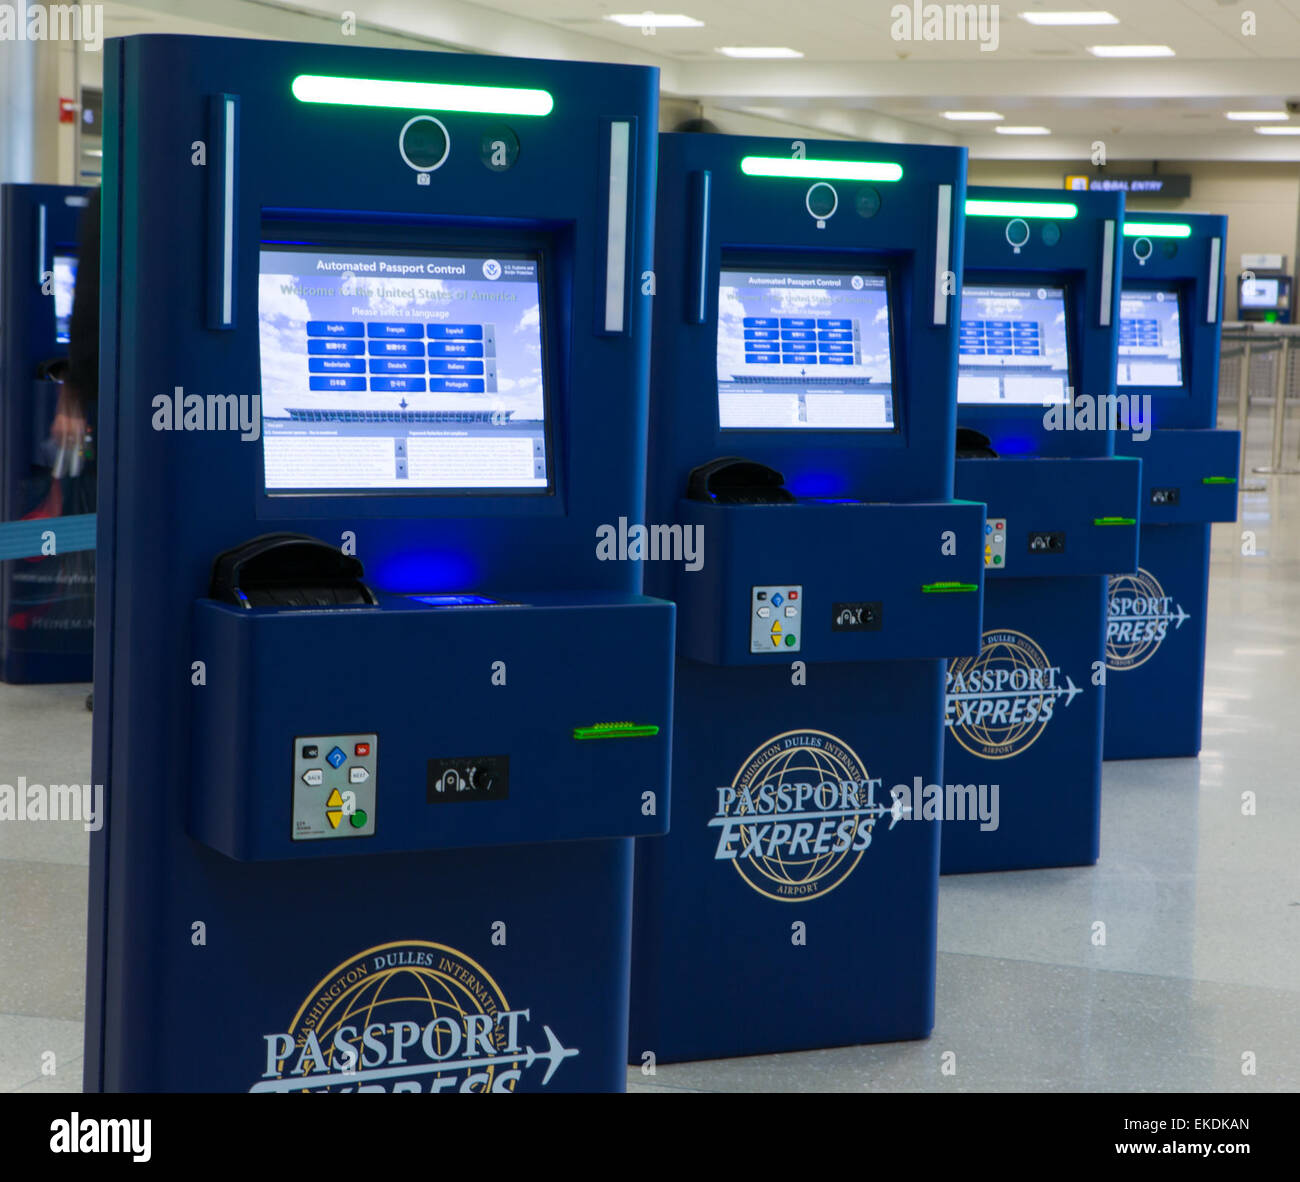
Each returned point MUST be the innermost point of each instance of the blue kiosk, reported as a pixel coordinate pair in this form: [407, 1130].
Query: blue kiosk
[1170, 316]
[375, 722]
[1037, 419]
[47, 601]
[802, 412]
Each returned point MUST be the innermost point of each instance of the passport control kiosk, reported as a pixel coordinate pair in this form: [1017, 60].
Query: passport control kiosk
[375, 724]
[1171, 312]
[1039, 323]
[802, 413]
[46, 601]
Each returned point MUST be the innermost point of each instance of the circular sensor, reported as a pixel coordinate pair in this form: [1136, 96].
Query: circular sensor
[822, 200]
[1142, 249]
[868, 201]
[424, 143]
[1017, 232]
[1051, 233]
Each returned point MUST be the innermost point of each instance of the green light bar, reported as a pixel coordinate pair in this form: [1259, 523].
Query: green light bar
[947, 588]
[421, 96]
[977, 208]
[1218, 480]
[830, 170]
[1157, 230]
[1114, 521]
[615, 730]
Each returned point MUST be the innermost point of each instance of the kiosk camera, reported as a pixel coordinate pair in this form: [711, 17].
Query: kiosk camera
[802, 422]
[375, 723]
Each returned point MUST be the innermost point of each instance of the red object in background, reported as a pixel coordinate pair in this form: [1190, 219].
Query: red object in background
[67, 110]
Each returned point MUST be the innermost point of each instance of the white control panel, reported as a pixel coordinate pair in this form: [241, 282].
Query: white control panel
[334, 780]
[776, 618]
[995, 542]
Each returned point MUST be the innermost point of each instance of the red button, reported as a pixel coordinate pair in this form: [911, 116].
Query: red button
[362, 749]
[793, 595]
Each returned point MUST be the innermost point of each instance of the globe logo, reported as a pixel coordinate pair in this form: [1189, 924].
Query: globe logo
[1138, 615]
[491, 269]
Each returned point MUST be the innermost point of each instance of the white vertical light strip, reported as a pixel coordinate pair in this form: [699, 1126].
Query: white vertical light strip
[40, 245]
[701, 312]
[620, 137]
[228, 221]
[1107, 270]
[1212, 309]
[942, 247]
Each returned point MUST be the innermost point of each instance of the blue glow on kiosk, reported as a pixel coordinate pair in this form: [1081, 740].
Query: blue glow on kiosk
[1171, 311]
[370, 828]
[1036, 412]
[46, 603]
[802, 411]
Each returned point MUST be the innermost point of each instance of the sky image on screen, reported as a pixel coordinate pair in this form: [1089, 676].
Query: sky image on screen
[65, 282]
[1150, 339]
[386, 372]
[1013, 346]
[804, 350]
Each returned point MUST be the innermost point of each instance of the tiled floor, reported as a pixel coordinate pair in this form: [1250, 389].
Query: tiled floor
[1202, 905]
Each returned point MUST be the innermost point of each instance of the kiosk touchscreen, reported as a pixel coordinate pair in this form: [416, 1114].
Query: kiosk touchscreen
[46, 601]
[802, 405]
[1264, 297]
[1171, 310]
[376, 722]
[1037, 415]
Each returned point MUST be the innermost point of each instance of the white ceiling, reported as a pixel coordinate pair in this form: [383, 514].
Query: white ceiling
[857, 80]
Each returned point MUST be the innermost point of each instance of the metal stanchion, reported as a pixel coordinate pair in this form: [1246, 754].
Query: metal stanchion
[1243, 414]
[1277, 468]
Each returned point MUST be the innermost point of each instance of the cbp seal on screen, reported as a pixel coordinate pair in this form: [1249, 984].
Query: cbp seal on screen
[1001, 700]
[410, 1016]
[799, 815]
[1138, 615]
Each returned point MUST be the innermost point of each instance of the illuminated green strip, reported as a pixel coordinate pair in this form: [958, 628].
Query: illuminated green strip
[1114, 521]
[830, 170]
[421, 96]
[947, 588]
[1218, 480]
[977, 208]
[1157, 230]
[615, 730]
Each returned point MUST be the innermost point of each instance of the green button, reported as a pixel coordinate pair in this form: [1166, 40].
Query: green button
[358, 819]
[997, 560]
[790, 639]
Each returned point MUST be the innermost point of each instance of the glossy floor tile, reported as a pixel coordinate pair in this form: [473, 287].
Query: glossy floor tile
[1201, 903]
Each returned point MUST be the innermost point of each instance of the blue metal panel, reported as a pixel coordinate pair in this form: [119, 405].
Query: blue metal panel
[786, 834]
[292, 944]
[46, 603]
[1026, 712]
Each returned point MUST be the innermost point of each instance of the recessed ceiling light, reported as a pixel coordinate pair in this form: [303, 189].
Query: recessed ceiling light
[758, 51]
[983, 116]
[1256, 116]
[1277, 131]
[1069, 18]
[1026, 130]
[655, 20]
[1130, 51]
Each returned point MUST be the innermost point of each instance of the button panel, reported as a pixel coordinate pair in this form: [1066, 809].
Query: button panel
[334, 794]
[779, 630]
[995, 542]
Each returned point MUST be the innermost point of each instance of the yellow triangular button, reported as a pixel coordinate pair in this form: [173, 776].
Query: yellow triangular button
[335, 816]
[776, 625]
[335, 800]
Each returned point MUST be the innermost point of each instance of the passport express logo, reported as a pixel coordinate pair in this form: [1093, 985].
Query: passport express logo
[1138, 616]
[407, 1017]
[799, 815]
[1001, 700]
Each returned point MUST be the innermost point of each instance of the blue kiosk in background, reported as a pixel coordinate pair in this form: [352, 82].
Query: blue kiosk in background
[375, 722]
[1039, 327]
[802, 412]
[46, 602]
[1171, 312]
